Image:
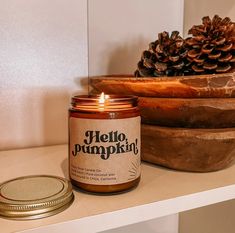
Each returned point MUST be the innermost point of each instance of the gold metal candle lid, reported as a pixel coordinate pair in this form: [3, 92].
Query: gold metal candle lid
[33, 197]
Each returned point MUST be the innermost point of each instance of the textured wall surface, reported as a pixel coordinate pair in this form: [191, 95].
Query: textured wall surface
[43, 59]
[119, 30]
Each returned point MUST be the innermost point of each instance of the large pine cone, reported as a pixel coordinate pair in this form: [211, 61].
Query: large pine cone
[167, 56]
[212, 46]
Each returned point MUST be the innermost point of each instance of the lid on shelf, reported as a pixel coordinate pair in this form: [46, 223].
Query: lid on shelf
[33, 197]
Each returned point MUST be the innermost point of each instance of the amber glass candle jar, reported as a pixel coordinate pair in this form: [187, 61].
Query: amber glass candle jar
[104, 143]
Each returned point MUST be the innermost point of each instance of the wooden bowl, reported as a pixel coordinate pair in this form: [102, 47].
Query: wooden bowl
[196, 102]
[190, 113]
[200, 86]
[199, 150]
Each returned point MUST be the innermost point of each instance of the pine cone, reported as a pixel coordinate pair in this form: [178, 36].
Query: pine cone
[167, 56]
[212, 46]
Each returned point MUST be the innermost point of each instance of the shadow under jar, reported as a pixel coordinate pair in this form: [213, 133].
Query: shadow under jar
[104, 143]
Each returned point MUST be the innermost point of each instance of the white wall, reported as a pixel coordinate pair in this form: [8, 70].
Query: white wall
[43, 56]
[119, 30]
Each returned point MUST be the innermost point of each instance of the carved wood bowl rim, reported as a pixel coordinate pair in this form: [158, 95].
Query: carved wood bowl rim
[130, 77]
[195, 86]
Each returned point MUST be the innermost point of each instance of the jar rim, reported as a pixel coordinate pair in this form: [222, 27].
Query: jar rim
[112, 98]
[112, 102]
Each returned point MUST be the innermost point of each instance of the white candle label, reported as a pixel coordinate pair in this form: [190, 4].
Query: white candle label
[104, 151]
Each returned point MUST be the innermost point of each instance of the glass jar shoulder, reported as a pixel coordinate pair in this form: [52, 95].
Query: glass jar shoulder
[134, 112]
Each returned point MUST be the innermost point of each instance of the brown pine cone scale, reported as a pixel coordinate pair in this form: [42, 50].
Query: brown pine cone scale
[167, 56]
[212, 46]
[210, 50]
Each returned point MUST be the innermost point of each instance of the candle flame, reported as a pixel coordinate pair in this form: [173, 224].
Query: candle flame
[102, 98]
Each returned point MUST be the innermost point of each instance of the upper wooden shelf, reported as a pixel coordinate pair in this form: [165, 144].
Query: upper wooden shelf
[161, 192]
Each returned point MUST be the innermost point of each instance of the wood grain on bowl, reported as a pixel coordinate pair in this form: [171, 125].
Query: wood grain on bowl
[198, 86]
[192, 113]
[199, 150]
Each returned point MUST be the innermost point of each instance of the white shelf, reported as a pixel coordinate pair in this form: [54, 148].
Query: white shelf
[161, 192]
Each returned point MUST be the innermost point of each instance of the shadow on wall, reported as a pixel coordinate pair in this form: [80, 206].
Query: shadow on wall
[55, 111]
[82, 84]
[56, 103]
[123, 58]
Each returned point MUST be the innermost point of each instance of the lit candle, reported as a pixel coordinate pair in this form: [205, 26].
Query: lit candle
[102, 100]
[104, 142]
